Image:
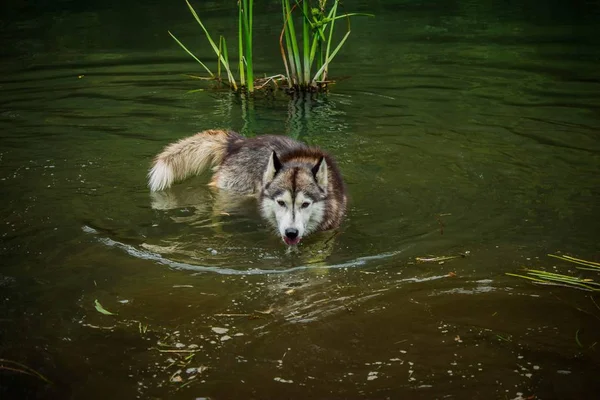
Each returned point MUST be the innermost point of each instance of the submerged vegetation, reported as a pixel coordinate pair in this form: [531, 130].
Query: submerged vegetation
[306, 54]
[14, 366]
[554, 279]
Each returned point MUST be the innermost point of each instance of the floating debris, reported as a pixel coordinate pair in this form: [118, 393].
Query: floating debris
[175, 350]
[101, 309]
[108, 328]
[440, 259]
[372, 375]
[553, 279]
[278, 379]
[232, 315]
[142, 328]
[176, 377]
[269, 311]
[14, 366]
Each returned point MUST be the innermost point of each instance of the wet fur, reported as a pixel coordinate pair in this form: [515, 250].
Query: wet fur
[265, 167]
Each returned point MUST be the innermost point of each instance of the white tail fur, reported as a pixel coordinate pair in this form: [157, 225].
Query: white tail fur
[188, 156]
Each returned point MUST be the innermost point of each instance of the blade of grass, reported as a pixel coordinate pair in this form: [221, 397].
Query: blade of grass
[561, 276]
[585, 261]
[549, 282]
[569, 258]
[225, 54]
[333, 54]
[306, 42]
[595, 269]
[25, 369]
[283, 52]
[313, 48]
[202, 78]
[219, 59]
[101, 309]
[247, 14]
[332, 14]
[330, 20]
[574, 260]
[318, 26]
[576, 284]
[351, 15]
[545, 274]
[526, 277]
[214, 46]
[294, 44]
[241, 44]
[291, 56]
[191, 54]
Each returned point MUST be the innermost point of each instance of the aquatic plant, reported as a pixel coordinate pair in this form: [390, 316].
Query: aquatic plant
[14, 366]
[305, 70]
[555, 279]
[317, 53]
[244, 27]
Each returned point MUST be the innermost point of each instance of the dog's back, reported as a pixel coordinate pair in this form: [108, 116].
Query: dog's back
[245, 161]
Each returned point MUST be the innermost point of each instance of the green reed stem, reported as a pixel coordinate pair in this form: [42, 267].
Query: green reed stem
[247, 14]
[287, 54]
[332, 55]
[240, 44]
[24, 369]
[191, 54]
[306, 43]
[294, 44]
[225, 55]
[214, 46]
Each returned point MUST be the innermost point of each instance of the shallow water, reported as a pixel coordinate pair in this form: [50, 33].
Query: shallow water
[463, 129]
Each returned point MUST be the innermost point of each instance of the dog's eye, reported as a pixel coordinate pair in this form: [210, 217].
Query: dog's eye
[305, 204]
[281, 203]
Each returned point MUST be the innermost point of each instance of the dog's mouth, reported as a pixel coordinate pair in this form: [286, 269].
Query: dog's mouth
[291, 242]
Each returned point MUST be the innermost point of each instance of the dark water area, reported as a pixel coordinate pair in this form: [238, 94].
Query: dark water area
[461, 128]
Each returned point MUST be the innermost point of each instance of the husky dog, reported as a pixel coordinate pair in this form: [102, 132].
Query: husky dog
[299, 188]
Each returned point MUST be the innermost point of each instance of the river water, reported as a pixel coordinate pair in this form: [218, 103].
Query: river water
[462, 129]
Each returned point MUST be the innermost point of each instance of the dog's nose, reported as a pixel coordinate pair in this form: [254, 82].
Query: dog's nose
[291, 233]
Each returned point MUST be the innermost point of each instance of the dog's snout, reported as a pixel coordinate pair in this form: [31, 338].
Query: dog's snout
[291, 233]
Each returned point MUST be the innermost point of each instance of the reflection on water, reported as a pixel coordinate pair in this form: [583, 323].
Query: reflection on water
[464, 127]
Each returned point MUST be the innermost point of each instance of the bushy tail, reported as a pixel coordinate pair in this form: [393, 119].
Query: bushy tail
[188, 156]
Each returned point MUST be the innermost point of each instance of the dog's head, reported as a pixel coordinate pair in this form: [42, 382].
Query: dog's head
[294, 194]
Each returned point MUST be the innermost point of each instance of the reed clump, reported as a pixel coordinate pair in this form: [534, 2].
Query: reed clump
[306, 44]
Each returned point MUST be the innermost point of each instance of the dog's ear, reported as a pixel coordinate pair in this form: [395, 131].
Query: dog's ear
[320, 173]
[273, 168]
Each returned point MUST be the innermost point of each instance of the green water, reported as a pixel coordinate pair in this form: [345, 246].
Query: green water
[462, 128]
